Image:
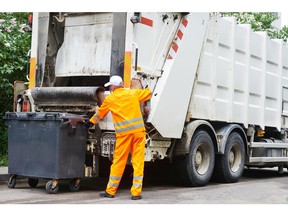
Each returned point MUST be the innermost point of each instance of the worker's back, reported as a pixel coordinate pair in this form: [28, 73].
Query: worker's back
[124, 105]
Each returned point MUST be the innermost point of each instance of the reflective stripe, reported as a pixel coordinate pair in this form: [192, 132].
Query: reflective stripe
[118, 124]
[116, 178]
[138, 178]
[137, 185]
[113, 184]
[129, 128]
[97, 118]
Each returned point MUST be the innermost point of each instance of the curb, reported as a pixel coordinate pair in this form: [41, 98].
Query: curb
[4, 174]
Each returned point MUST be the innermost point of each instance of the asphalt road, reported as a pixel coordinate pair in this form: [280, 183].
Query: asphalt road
[265, 189]
[257, 186]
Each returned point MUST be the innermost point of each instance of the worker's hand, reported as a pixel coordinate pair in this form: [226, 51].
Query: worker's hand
[87, 123]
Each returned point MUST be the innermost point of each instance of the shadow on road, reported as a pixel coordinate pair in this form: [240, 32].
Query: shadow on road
[155, 174]
[256, 173]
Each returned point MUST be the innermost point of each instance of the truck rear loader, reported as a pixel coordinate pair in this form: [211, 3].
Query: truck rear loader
[220, 90]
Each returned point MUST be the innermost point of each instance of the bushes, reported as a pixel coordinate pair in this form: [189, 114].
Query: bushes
[261, 21]
[3, 145]
[14, 45]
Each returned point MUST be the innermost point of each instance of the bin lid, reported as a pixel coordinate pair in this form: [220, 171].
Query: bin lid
[42, 116]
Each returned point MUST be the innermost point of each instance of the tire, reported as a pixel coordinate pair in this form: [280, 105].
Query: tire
[229, 167]
[49, 188]
[196, 168]
[11, 181]
[33, 182]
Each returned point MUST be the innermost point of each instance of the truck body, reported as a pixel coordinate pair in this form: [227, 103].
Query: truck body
[220, 90]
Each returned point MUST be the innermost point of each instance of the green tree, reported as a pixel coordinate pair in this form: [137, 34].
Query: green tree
[281, 34]
[261, 21]
[14, 46]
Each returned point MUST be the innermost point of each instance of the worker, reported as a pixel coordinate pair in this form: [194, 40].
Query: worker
[124, 105]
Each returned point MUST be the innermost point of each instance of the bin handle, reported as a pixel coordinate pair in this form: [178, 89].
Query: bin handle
[25, 116]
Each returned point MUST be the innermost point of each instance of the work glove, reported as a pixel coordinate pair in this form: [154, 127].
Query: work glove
[88, 124]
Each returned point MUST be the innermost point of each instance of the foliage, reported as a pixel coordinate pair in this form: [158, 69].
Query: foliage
[14, 45]
[260, 22]
[4, 160]
[281, 34]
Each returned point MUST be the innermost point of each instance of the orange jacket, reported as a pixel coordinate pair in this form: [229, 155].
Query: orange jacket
[124, 105]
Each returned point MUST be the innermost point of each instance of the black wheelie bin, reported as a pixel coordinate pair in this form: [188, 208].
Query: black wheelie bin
[46, 145]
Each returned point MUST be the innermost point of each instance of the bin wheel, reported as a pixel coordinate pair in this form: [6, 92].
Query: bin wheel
[32, 182]
[11, 181]
[50, 188]
[74, 185]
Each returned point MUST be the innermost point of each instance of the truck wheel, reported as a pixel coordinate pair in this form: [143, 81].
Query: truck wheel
[229, 167]
[197, 167]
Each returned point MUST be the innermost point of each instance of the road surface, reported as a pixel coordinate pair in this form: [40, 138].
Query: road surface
[257, 186]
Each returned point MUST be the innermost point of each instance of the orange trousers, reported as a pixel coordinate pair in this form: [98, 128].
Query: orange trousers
[134, 143]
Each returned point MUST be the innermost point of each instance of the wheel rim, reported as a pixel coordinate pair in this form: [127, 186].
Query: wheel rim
[50, 189]
[235, 158]
[202, 159]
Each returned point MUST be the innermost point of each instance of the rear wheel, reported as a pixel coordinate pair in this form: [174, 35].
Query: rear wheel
[196, 168]
[229, 167]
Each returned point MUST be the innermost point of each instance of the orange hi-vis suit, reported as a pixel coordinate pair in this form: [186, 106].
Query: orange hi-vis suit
[124, 105]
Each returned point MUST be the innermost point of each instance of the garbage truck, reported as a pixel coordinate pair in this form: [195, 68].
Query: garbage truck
[219, 90]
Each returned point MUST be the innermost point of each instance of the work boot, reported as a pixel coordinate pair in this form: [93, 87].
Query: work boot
[136, 197]
[105, 194]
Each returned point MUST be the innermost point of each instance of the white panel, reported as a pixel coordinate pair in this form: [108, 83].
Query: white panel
[222, 104]
[170, 100]
[239, 107]
[241, 37]
[249, 64]
[204, 75]
[222, 78]
[154, 41]
[240, 76]
[285, 66]
[273, 54]
[285, 83]
[273, 100]
[272, 80]
[225, 29]
[86, 49]
[224, 74]
[285, 54]
[256, 45]
[255, 77]
[202, 107]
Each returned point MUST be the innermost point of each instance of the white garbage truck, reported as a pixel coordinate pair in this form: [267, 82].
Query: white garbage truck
[220, 90]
